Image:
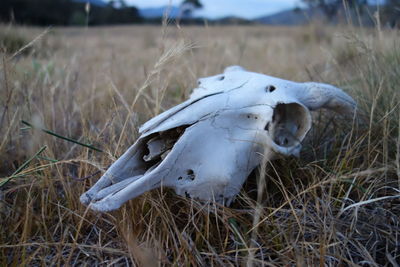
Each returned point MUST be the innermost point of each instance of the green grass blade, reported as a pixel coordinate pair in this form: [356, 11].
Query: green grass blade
[62, 137]
[48, 159]
[23, 166]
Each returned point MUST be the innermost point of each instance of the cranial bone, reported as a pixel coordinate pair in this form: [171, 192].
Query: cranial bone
[207, 146]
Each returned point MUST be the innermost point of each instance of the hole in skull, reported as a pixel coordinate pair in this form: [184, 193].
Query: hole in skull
[287, 124]
[267, 127]
[221, 78]
[159, 145]
[270, 88]
[286, 141]
[190, 174]
[187, 194]
[285, 138]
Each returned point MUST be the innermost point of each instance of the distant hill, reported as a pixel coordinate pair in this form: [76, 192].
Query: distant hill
[231, 20]
[304, 16]
[292, 17]
[92, 2]
[158, 12]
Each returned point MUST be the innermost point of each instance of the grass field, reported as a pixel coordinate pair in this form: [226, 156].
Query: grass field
[338, 205]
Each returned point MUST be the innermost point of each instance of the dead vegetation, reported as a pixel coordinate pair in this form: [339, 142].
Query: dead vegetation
[338, 205]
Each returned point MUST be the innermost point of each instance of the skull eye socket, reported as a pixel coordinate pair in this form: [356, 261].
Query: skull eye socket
[270, 88]
[221, 78]
[290, 122]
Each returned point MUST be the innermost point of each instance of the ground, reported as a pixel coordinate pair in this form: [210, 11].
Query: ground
[336, 205]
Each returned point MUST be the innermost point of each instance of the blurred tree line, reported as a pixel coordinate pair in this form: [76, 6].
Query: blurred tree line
[67, 12]
[390, 9]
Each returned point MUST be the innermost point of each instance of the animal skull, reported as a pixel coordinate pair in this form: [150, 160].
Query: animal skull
[207, 146]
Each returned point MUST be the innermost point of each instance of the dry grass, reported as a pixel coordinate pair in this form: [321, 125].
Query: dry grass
[337, 205]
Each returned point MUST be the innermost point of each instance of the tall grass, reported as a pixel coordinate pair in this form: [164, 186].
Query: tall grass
[336, 205]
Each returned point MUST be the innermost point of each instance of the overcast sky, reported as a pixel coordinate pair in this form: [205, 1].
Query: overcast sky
[221, 8]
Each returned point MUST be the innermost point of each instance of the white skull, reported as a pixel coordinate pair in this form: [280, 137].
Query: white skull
[207, 146]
